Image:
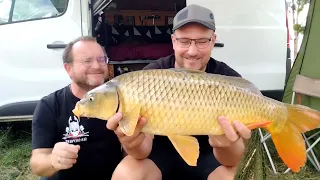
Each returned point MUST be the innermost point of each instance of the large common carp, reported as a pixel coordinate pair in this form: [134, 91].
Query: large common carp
[179, 103]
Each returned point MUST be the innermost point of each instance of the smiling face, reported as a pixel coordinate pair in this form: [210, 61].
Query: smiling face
[89, 68]
[196, 55]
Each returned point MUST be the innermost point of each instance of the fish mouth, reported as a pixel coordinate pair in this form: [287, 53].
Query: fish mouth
[77, 110]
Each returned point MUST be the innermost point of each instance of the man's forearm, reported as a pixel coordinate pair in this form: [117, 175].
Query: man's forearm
[230, 156]
[142, 151]
[41, 165]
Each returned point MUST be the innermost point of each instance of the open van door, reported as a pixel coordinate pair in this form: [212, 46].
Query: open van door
[33, 35]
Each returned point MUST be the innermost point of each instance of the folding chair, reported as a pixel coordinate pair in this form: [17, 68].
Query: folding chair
[309, 87]
[302, 86]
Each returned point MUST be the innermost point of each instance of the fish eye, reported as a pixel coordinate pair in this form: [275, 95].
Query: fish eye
[91, 98]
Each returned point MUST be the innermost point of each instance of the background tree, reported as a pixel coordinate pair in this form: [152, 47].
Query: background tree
[296, 7]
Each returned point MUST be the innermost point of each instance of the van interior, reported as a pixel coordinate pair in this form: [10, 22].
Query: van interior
[134, 32]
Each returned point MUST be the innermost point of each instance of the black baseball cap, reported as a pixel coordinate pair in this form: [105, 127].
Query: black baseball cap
[194, 13]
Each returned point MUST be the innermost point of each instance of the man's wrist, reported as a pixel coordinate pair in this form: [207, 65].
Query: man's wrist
[235, 146]
[52, 168]
[230, 155]
[140, 151]
[133, 150]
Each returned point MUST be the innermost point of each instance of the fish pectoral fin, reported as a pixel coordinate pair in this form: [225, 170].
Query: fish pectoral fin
[129, 121]
[258, 125]
[187, 147]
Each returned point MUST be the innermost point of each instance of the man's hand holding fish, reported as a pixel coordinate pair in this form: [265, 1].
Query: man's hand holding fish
[138, 145]
[229, 147]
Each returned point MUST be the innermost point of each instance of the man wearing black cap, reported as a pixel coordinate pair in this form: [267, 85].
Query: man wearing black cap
[193, 40]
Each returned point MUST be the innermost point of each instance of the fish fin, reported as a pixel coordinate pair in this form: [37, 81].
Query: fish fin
[187, 147]
[242, 83]
[258, 125]
[289, 142]
[237, 82]
[234, 80]
[129, 121]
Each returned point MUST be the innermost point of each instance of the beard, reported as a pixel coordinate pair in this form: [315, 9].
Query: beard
[190, 62]
[195, 64]
[87, 83]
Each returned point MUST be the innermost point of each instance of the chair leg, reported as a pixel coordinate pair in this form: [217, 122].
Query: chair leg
[263, 140]
[313, 135]
[316, 163]
[292, 98]
[287, 170]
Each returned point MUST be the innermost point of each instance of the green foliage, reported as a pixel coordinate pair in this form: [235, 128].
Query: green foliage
[15, 150]
[298, 28]
[298, 5]
[255, 165]
[301, 4]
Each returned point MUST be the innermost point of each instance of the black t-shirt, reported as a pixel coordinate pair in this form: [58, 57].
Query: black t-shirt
[214, 67]
[53, 121]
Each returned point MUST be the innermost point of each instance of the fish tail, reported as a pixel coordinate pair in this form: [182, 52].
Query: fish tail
[288, 141]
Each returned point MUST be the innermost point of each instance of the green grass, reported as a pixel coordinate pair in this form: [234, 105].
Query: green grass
[15, 149]
[306, 173]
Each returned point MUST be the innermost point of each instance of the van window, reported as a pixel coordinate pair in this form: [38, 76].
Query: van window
[24, 10]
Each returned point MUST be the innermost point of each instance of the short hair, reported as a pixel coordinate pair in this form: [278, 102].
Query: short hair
[67, 53]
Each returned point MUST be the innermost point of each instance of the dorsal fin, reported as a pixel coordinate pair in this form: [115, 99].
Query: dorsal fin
[236, 81]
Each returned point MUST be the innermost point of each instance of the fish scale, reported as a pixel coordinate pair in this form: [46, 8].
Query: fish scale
[183, 103]
[179, 103]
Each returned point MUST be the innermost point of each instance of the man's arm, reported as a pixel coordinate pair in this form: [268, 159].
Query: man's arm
[40, 162]
[43, 135]
[46, 161]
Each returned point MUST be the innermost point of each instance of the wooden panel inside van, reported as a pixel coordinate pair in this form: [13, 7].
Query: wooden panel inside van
[140, 17]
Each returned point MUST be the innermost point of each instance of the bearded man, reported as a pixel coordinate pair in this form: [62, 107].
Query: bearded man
[63, 146]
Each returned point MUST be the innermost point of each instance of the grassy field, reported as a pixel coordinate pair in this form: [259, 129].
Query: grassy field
[15, 148]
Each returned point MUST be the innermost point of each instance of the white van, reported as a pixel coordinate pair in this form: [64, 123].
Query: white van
[252, 37]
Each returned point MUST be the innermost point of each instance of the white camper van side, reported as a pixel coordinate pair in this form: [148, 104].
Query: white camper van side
[252, 38]
[33, 35]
